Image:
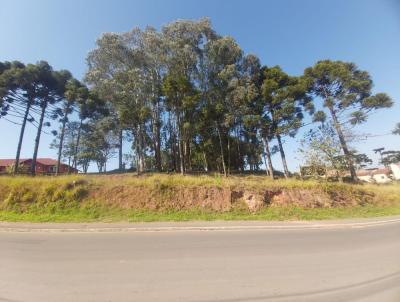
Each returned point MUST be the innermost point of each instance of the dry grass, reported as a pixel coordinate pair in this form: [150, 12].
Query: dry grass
[70, 198]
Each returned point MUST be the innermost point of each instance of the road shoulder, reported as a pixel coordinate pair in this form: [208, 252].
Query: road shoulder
[197, 225]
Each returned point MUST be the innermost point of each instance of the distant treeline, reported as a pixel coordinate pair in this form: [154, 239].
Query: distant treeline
[187, 99]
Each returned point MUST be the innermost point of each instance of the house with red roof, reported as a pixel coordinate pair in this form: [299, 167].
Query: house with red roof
[43, 166]
[380, 175]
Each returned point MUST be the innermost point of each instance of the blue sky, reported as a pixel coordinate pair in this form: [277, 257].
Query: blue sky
[291, 33]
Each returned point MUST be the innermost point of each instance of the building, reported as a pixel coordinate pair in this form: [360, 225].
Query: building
[395, 170]
[43, 166]
[377, 175]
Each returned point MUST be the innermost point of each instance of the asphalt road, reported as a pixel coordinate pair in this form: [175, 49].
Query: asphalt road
[329, 264]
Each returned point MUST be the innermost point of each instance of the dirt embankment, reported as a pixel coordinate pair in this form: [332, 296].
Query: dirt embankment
[159, 193]
[224, 198]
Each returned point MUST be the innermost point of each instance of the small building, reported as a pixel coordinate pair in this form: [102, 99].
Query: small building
[395, 170]
[377, 175]
[43, 166]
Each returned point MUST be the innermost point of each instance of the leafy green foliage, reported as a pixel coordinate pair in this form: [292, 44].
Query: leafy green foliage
[346, 93]
[187, 99]
[390, 157]
[396, 130]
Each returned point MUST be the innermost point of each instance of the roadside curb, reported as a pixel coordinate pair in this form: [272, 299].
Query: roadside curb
[298, 225]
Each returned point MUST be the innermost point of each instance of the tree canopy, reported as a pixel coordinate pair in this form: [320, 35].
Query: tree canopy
[187, 99]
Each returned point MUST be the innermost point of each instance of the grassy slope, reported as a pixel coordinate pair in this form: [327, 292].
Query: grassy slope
[65, 199]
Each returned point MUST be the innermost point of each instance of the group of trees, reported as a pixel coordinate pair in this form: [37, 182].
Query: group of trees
[37, 94]
[188, 99]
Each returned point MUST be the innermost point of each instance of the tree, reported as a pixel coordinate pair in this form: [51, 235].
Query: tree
[284, 97]
[390, 157]
[185, 41]
[73, 91]
[396, 130]
[116, 71]
[223, 58]
[181, 98]
[321, 151]
[22, 84]
[90, 106]
[69, 142]
[346, 91]
[98, 143]
[361, 160]
[4, 88]
[50, 87]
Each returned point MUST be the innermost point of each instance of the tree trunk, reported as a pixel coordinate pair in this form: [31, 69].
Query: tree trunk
[21, 136]
[174, 165]
[239, 161]
[85, 167]
[69, 164]
[229, 156]
[181, 155]
[78, 138]
[205, 162]
[60, 147]
[268, 155]
[343, 144]
[157, 138]
[120, 137]
[135, 146]
[189, 161]
[140, 149]
[285, 168]
[37, 139]
[180, 146]
[222, 150]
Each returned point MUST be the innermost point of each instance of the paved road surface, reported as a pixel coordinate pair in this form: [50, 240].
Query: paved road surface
[329, 264]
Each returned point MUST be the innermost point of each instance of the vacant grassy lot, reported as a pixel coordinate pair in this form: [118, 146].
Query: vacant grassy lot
[161, 197]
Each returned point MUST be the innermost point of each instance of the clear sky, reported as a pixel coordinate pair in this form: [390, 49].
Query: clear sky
[291, 33]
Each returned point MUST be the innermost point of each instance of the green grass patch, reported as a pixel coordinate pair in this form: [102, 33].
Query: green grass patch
[99, 214]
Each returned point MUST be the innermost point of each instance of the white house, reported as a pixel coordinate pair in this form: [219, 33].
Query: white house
[380, 175]
[395, 171]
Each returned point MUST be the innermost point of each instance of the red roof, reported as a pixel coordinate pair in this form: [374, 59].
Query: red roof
[47, 161]
[386, 171]
[6, 162]
[375, 171]
[43, 161]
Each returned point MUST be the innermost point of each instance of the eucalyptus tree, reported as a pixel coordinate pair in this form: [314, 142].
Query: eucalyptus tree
[116, 72]
[110, 57]
[347, 96]
[98, 143]
[185, 41]
[90, 106]
[155, 52]
[247, 110]
[181, 98]
[223, 57]
[285, 97]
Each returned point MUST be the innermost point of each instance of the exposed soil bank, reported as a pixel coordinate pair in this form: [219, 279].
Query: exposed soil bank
[174, 193]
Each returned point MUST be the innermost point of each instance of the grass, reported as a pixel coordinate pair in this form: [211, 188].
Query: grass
[68, 199]
[133, 215]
